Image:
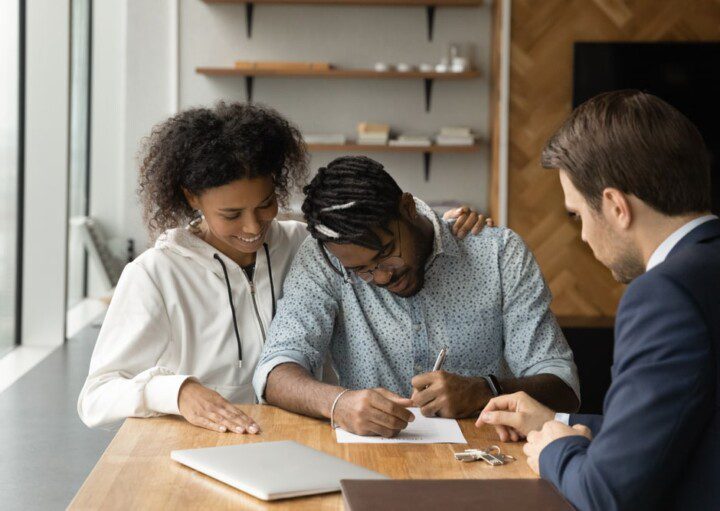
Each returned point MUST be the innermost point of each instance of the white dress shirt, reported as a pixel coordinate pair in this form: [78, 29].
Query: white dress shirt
[657, 257]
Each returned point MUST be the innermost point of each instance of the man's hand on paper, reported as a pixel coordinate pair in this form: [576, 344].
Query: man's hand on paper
[515, 415]
[373, 412]
[443, 394]
[206, 408]
[551, 431]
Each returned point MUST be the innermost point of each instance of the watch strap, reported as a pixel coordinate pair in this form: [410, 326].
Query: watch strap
[494, 384]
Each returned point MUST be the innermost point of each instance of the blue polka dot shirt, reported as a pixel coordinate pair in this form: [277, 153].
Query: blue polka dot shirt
[484, 298]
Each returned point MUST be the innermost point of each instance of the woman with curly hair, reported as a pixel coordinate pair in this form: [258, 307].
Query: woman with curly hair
[187, 322]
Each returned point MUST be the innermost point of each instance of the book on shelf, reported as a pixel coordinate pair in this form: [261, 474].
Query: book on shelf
[454, 141]
[369, 127]
[456, 131]
[373, 133]
[411, 141]
[372, 141]
[325, 138]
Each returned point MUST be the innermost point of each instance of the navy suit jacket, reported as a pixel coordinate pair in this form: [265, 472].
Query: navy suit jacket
[657, 444]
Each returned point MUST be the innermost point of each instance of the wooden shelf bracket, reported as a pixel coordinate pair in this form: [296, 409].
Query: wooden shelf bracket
[249, 10]
[249, 81]
[430, 11]
[428, 93]
[426, 165]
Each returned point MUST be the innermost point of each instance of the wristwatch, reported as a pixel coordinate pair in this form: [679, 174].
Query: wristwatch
[494, 384]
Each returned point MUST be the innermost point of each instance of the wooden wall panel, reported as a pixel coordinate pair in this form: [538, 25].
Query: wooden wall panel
[542, 37]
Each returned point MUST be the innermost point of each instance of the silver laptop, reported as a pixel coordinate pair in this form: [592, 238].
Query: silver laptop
[273, 470]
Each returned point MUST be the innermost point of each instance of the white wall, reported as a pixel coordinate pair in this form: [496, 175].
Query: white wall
[134, 81]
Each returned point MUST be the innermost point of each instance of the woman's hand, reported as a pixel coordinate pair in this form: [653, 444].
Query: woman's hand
[467, 220]
[208, 409]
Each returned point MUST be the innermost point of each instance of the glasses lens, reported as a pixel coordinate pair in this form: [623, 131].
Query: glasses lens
[391, 263]
[365, 276]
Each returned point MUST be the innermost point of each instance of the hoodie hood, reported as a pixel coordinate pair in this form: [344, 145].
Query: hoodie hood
[184, 243]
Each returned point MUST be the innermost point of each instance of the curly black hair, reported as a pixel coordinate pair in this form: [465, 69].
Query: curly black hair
[203, 148]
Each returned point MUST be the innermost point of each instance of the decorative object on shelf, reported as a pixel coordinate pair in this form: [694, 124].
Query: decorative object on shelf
[458, 63]
[455, 136]
[426, 68]
[430, 7]
[405, 68]
[373, 134]
[382, 67]
[325, 138]
[442, 67]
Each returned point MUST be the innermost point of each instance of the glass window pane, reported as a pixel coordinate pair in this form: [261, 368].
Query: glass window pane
[79, 123]
[9, 143]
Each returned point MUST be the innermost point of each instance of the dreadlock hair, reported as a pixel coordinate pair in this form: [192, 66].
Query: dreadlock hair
[348, 198]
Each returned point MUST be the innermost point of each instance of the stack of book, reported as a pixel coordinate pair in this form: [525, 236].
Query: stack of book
[455, 136]
[373, 134]
[325, 138]
[411, 141]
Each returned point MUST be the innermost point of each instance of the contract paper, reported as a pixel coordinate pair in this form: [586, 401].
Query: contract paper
[423, 430]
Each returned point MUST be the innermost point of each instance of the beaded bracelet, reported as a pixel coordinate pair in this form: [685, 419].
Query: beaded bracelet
[332, 410]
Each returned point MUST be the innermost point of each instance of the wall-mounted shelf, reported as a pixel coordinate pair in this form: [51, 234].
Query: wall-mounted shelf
[427, 152]
[430, 6]
[250, 75]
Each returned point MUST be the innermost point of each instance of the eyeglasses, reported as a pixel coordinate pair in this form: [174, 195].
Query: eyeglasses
[388, 264]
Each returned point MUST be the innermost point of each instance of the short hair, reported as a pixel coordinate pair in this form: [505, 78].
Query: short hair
[637, 143]
[348, 198]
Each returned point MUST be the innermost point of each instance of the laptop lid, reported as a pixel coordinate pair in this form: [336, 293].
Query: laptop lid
[273, 470]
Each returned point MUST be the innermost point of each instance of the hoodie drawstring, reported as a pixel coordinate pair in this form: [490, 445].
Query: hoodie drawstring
[230, 298]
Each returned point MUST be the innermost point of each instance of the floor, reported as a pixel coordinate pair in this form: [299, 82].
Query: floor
[46, 452]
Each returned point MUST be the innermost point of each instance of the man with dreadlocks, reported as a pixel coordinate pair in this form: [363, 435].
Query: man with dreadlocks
[382, 287]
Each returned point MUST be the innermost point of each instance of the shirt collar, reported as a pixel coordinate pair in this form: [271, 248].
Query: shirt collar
[443, 240]
[660, 253]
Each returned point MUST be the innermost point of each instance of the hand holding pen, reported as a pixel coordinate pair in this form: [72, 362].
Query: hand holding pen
[443, 394]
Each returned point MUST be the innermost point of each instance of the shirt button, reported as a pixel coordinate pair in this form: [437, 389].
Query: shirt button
[417, 327]
[418, 368]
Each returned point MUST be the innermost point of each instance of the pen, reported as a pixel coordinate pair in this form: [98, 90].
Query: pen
[440, 359]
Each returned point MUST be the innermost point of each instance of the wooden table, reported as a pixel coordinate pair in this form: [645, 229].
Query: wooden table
[136, 471]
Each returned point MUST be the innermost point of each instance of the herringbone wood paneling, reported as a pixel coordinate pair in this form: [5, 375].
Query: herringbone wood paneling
[542, 37]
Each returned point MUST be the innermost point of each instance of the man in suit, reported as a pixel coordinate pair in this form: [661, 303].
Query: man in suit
[636, 173]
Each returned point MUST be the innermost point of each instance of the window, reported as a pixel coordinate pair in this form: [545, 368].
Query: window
[11, 162]
[80, 48]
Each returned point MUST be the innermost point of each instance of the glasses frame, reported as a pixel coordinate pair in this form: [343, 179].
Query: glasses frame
[355, 278]
[384, 265]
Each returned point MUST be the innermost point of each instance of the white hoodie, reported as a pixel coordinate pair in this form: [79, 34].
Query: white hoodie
[170, 319]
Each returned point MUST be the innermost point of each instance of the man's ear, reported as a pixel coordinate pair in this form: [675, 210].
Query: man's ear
[191, 199]
[617, 208]
[407, 206]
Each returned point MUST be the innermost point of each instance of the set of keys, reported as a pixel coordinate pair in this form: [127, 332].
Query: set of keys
[490, 455]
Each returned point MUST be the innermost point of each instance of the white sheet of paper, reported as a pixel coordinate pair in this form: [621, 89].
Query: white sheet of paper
[423, 430]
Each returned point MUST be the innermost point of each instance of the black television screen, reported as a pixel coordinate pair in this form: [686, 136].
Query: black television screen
[686, 75]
